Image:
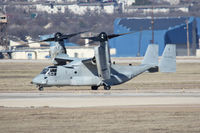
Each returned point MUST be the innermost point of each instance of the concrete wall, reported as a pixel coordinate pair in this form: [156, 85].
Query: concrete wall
[23, 55]
[31, 54]
[198, 52]
[80, 52]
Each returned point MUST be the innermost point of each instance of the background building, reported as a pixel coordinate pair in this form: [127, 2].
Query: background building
[3, 27]
[166, 31]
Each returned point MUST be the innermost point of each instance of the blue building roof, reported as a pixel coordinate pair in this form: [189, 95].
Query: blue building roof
[137, 24]
[166, 30]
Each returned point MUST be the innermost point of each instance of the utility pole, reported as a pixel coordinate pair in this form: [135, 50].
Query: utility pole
[188, 39]
[152, 25]
[139, 44]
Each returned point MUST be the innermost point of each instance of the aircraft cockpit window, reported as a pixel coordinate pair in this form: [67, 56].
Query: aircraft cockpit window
[44, 71]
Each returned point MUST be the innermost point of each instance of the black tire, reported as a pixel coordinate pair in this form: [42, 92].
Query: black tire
[40, 88]
[94, 87]
[107, 87]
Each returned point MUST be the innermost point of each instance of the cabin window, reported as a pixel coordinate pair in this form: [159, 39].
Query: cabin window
[29, 56]
[52, 72]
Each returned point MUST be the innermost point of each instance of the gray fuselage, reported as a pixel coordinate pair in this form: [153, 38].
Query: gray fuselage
[85, 75]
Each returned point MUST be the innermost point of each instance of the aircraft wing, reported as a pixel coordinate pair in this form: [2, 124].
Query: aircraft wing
[88, 61]
[98, 62]
[65, 57]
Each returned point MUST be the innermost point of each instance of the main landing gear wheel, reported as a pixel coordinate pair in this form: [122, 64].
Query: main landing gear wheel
[40, 88]
[94, 87]
[107, 87]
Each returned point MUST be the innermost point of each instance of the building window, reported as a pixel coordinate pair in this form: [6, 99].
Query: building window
[76, 55]
[29, 56]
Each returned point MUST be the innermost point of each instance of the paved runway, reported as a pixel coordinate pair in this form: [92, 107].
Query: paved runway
[76, 100]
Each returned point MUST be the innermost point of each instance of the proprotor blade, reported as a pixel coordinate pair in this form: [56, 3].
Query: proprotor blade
[71, 35]
[104, 37]
[116, 35]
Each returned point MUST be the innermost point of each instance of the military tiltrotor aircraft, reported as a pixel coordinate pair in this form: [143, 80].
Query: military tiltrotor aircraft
[99, 71]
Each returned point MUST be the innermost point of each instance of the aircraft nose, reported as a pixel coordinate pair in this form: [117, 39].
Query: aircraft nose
[38, 80]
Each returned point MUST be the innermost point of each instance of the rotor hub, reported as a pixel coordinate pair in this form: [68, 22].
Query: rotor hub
[103, 37]
[58, 36]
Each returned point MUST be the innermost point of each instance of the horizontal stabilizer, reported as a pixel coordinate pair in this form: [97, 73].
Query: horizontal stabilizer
[168, 59]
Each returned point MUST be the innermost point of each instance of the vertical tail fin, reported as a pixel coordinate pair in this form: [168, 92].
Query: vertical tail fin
[168, 59]
[151, 55]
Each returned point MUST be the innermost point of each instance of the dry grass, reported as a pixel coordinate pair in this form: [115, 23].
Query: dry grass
[142, 119]
[16, 76]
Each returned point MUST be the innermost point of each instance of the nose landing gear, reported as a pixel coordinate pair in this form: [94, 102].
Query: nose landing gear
[106, 87]
[94, 87]
[41, 88]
